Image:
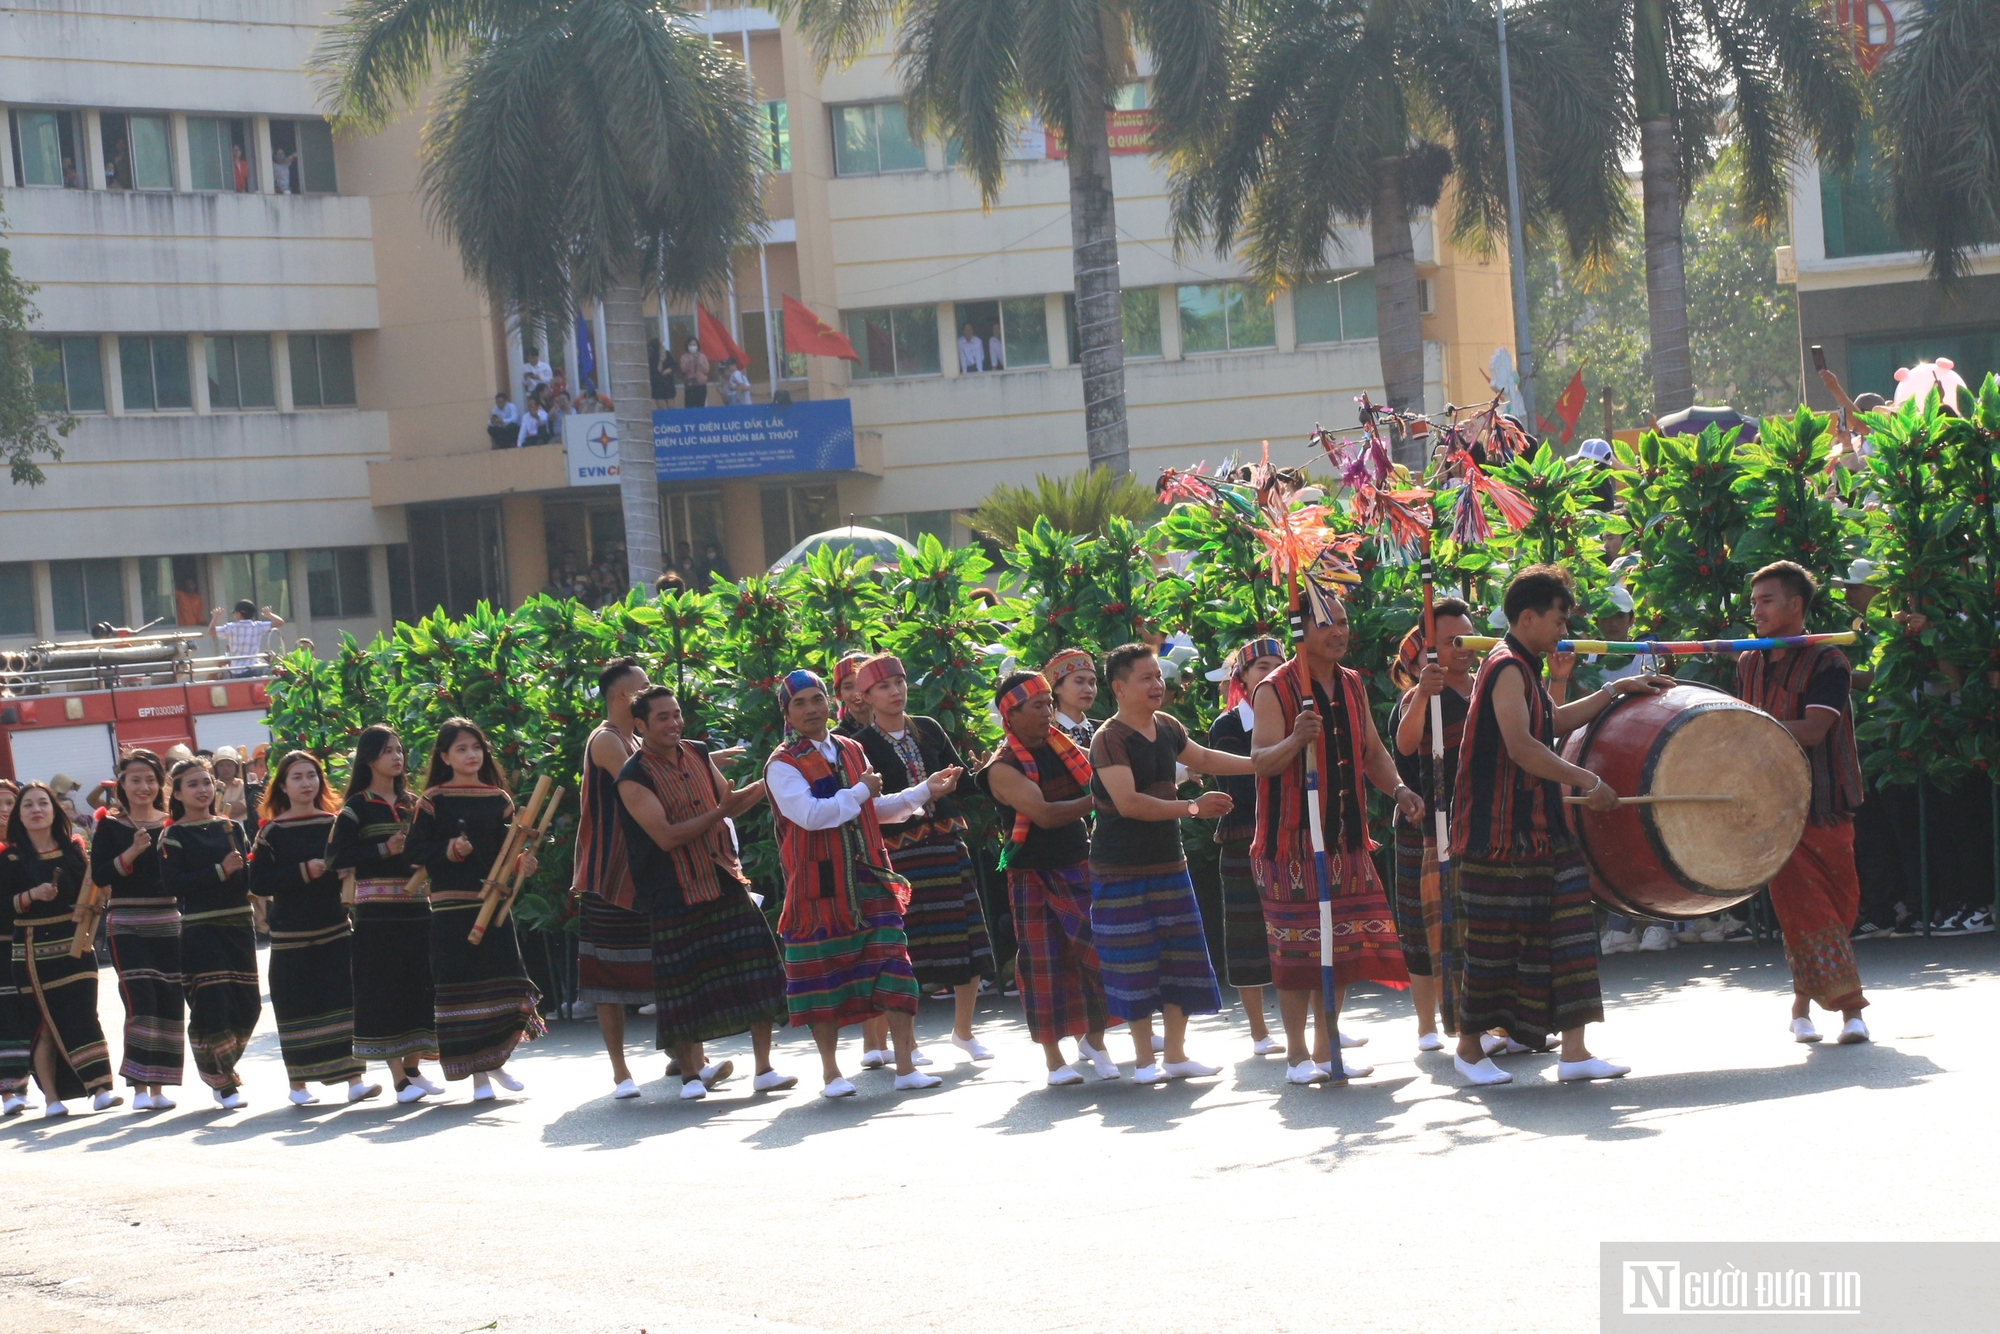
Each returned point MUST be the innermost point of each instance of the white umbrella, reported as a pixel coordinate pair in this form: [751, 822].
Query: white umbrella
[887, 548]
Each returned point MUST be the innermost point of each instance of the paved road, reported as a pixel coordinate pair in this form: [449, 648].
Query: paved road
[994, 1204]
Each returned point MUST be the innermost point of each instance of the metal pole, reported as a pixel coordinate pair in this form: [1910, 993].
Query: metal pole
[1924, 854]
[763, 269]
[1517, 250]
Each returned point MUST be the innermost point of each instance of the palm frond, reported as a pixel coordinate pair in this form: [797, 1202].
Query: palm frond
[1082, 504]
[1939, 94]
[379, 55]
[839, 31]
[960, 65]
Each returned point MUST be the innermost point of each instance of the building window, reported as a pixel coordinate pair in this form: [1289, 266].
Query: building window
[996, 335]
[154, 372]
[1138, 323]
[262, 577]
[220, 150]
[911, 526]
[1335, 309]
[900, 340]
[84, 592]
[1224, 317]
[791, 365]
[17, 598]
[794, 513]
[170, 591]
[45, 148]
[138, 151]
[338, 584]
[872, 138]
[302, 158]
[454, 560]
[322, 371]
[69, 374]
[239, 372]
[1872, 362]
[778, 134]
[691, 527]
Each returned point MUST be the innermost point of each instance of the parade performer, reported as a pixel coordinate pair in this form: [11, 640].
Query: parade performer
[1041, 782]
[1072, 674]
[1530, 939]
[718, 971]
[14, 1028]
[485, 1003]
[311, 965]
[42, 872]
[949, 945]
[1817, 894]
[145, 930]
[1449, 680]
[1143, 917]
[395, 1003]
[1246, 952]
[614, 943]
[854, 712]
[203, 864]
[846, 957]
[1314, 700]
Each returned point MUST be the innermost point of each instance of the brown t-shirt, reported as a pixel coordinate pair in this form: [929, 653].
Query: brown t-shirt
[1119, 840]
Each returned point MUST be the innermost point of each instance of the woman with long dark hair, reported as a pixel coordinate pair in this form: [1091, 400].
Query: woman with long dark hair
[145, 930]
[203, 864]
[394, 1000]
[312, 983]
[13, 1019]
[42, 871]
[485, 1003]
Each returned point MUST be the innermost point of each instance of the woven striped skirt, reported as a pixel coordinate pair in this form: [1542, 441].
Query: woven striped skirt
[844, 978]
[58, 997]
[1246, 951]
[395, 1001]
[716, 970]
[614, 955]
[1147, 930]
[485, 1003]
[1530, 946]
[944, 923]
[1364, 934]
[15, 1032]
[224, 998]
[312, 995]
[146, 951]
[1062, 988]
[1415, 920]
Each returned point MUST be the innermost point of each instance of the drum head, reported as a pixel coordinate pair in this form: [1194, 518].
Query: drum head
[1744, 752]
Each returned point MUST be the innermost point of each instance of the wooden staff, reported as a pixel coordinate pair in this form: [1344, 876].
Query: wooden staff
[520, 877]
[1316, 823]
[90, 905]
[493, 888]
[1663, 799]
[1435, 902]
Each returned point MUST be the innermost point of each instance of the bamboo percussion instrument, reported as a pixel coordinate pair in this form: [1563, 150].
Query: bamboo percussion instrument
[1659, 799]
[91, 901]
[347, 888]
[493, 888]
[415, 884]
[1659, 647]
[541, 832]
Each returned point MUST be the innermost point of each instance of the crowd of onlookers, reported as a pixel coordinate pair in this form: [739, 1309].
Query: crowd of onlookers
[545, 390]
[691, 375]
[605, 579]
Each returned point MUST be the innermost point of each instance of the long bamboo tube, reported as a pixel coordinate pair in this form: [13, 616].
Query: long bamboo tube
[541, 832]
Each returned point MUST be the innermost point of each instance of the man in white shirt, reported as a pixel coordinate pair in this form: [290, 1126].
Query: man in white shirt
[535, 372]
[971, 351]
[503, 423]
[243, 636]
[847, 959]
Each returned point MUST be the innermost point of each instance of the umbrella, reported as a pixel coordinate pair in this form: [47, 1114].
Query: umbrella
[886, 548]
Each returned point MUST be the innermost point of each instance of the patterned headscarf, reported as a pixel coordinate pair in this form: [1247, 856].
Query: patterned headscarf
[1239, 665]
[1065, 662]
[843, 671]
[1058, 742]
[878, 668]
[1410, 658]
[794, 682]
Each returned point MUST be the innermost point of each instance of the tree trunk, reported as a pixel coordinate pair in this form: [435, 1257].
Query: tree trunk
[1666, 275]
[632, 397]
[1093, 232]
[1399, 333]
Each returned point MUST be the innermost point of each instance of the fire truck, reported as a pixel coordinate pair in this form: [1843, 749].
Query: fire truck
[73, 708]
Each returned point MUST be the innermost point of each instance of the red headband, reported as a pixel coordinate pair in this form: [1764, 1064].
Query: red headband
[1022, 693]
[843, 671]
[878, 668]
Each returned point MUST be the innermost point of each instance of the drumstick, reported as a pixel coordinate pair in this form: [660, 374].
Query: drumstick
[1661, 799]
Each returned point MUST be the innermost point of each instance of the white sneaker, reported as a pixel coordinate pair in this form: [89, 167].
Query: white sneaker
[1803, 1031]
[1852, 1031]
[918, 1059]
[1150, 1074]
[162, 1103]
[874, 1060]
[1264, 1046]
[142, 1101]
[1347, 1071]
[1617, 942]
[1656, 939]
[1594, 1068]
[506, 1081]
[649, 1007]
[972, 1047]
[299, 1097]
[105, 1101]
[1430, 1041]
[1063, 1076]
[693, 1090]
[1347, 1041]
[1189, 1069]
[917, 1079]
[1100, 1061]
[1305, 1072]
[14, 1105]
[1483, 1073]
[839, 1088]
[360, 1091]
[54, 1110]
[627, 1088]
[716, 1072]
[771, 1081]
[410, 1092]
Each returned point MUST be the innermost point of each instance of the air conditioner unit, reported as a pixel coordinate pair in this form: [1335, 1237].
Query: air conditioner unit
[1426, 297]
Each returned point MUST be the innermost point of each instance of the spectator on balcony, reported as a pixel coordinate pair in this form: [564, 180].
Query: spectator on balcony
[281, 169]
[695, 370]
[534, 424]
[240, 165]
[71, 180]
[660, 371]
[592, 401]
[712, 563]
[535, 372]
[996, 351]
[735, 384]
[503, 424]
[559, 408]
[971, 350]
[244, 634]
[118, 167]
[187, 602]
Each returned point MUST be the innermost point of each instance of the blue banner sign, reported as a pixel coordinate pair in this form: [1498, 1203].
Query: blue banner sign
[753, 439]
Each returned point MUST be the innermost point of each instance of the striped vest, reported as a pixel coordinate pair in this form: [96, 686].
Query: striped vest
[825, 868]
[1778, 688]
[599, 861]
[1283, 833]
[1498, 809]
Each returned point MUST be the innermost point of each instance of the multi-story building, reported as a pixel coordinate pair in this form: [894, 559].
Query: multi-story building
[281, 377]
[1865, 297]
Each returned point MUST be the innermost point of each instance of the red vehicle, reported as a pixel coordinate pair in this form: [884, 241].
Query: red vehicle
[73, 708]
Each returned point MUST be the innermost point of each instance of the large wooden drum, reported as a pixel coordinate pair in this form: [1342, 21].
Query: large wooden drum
[1690, 859]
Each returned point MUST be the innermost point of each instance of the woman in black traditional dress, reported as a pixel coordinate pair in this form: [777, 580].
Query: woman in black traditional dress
[203, 865]
[485, 1003]
[145, 930]
[13, 1019]
[42, 872]
[312, 984]
[395, 1017]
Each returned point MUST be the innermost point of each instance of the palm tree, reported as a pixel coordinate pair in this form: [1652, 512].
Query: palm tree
[577, 150]
[1083, 504]
[1942, 127]
[1345, 110]
[1781, 72]
[975, 69]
